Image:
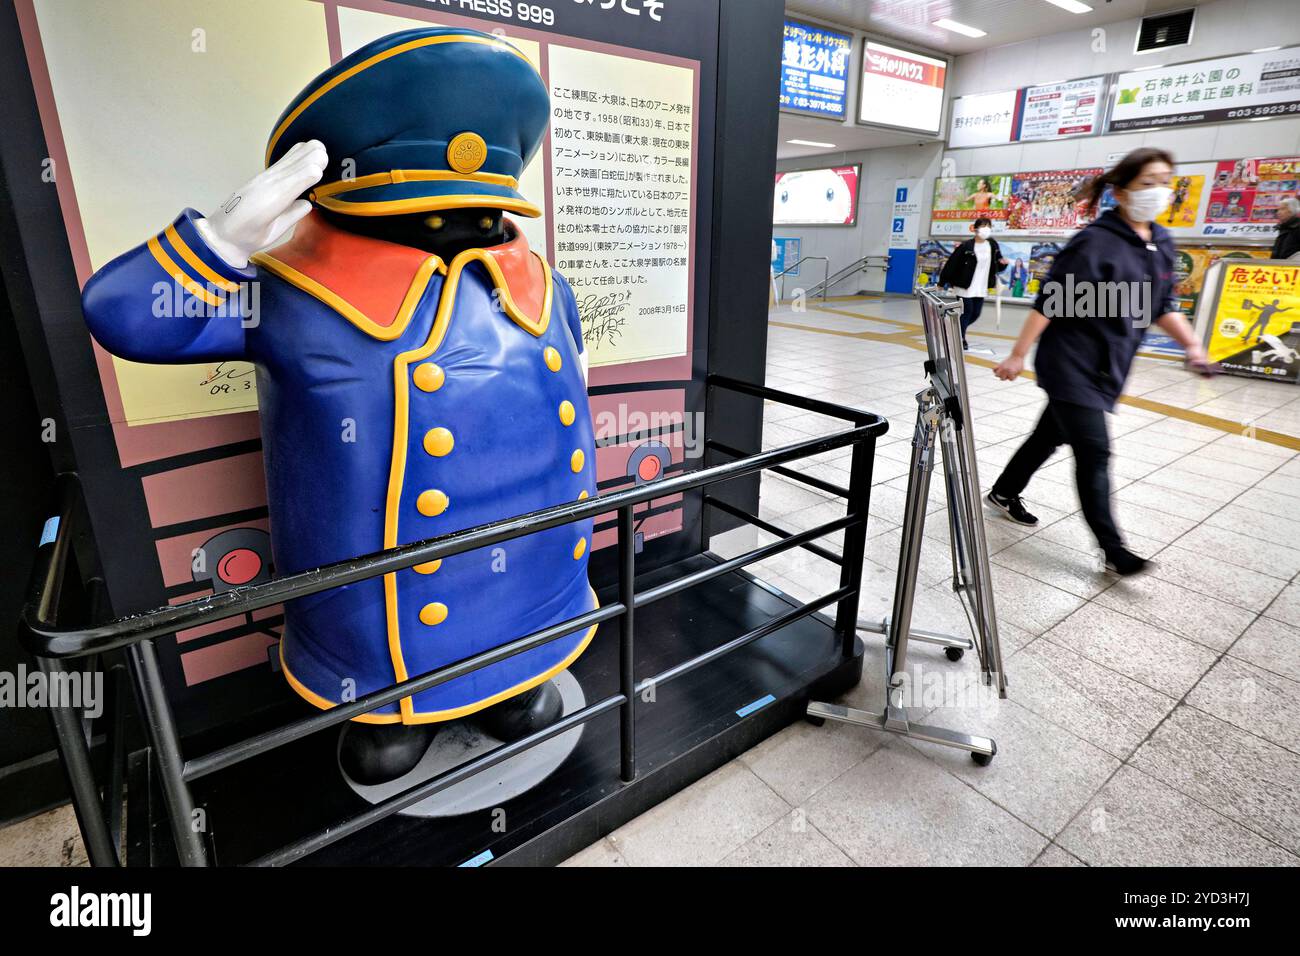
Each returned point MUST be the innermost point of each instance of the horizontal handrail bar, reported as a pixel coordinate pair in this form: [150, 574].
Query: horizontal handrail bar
[798, 264]
[44, 638]
[442, 781]
[820, 406]
[650, 595]
[413, 795]
[220, 759]
[770, 627]
[819, 483]
[770, 528]
[235, 753]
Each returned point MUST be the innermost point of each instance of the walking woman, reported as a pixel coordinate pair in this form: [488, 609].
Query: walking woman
[1088, 320]
[972, 270]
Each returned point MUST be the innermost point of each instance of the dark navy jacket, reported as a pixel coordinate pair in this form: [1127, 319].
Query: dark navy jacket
[959, 270]
[1085, 358]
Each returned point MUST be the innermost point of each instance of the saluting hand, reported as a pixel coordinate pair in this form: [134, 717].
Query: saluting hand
[266, 207]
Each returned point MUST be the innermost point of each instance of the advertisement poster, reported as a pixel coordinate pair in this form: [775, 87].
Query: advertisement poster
[1255, 326]
[816, 197]
[785, 255]
[1245, 194]
[1025, 204]
[1017, 277]
[930, 257]
[1222, 89]
[900, 88]
[1192, 264]
[1020, 279]
[960, 200]
[815, 70]
[1048, 203]
[984, 119]
[1072, 108]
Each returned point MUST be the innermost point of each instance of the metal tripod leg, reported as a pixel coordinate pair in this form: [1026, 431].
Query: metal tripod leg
[898, 627]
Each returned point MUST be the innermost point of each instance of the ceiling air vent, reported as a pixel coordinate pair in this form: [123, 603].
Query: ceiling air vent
[1163, 31]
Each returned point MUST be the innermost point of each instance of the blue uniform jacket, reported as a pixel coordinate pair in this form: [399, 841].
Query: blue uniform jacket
[401, 398]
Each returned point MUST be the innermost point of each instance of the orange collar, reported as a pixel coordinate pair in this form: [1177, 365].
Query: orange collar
[379, 298]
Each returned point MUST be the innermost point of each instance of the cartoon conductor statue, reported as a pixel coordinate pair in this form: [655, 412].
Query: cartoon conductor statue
[419, 371]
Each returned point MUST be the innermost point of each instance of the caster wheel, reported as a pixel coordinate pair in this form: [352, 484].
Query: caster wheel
[954, 653]
[815, 721]
[982, 760]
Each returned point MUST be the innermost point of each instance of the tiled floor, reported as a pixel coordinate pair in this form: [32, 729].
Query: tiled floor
[1151, 721]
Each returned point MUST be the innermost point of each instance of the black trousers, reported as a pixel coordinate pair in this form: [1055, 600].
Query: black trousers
[1084, 430]
[970, 311]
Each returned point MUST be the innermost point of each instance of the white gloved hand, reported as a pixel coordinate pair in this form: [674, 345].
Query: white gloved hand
[266, 207]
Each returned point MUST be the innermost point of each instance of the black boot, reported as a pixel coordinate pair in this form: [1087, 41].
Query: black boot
[519, 716]
[377, 753]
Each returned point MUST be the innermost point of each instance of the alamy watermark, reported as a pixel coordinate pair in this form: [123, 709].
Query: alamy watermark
[1084, 299]
[80, 690]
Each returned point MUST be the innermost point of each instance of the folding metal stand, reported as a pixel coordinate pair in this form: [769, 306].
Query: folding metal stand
[941, 418]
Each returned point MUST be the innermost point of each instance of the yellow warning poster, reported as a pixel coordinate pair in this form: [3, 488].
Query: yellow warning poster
[1255, 326]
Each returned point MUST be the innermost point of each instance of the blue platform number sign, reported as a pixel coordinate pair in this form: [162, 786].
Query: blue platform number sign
[900, 195]
[785, 255]
[815, 70]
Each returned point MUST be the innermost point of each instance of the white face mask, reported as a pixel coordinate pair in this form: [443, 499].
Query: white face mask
[983, 232]
[1143, 205]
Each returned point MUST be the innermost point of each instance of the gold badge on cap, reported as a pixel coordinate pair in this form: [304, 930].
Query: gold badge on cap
[466, 152]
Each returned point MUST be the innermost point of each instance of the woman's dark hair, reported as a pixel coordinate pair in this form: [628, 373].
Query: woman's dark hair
[1122, 173]
[983, 221]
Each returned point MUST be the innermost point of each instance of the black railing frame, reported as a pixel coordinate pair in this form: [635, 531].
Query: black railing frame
[53, 644]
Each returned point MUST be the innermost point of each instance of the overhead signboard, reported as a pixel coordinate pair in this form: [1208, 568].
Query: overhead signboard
[827, 196]
[901, 89]
[1054, 110]
[1042, 203]
[1218, 90]
[984, 119]
[815, 70]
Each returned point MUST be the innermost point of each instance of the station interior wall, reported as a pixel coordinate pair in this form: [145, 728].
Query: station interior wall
[1224, 27]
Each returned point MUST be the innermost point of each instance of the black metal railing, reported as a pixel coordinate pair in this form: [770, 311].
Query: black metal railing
[54, 644]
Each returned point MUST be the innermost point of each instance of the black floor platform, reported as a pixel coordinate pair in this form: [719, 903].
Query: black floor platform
[692, 727]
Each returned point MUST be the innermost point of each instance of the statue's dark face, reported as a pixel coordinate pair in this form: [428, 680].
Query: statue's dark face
[444, 233]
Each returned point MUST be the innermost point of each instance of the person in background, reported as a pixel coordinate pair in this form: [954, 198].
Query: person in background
[1019, 276]
[1287, 243]
[970, 272]
[1084, 355]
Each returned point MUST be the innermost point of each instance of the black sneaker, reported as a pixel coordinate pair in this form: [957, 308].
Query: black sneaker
[1124, 563]
[1012, 507]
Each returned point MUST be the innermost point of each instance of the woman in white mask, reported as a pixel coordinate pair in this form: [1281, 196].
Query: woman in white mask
[1110, 282]
[972, 270]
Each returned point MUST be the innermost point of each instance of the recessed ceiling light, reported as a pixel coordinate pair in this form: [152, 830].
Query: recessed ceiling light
[809, 142]
[955, 27]
[1073, 6]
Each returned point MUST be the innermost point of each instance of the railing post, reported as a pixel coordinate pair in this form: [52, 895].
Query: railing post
[855, 541]
[626, 643]
[71, 739]
[166, 741]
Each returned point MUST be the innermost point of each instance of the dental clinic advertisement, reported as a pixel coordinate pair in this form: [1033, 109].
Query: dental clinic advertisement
[1219, 90]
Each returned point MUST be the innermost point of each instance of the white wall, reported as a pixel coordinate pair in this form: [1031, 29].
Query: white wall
[1222, 27]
